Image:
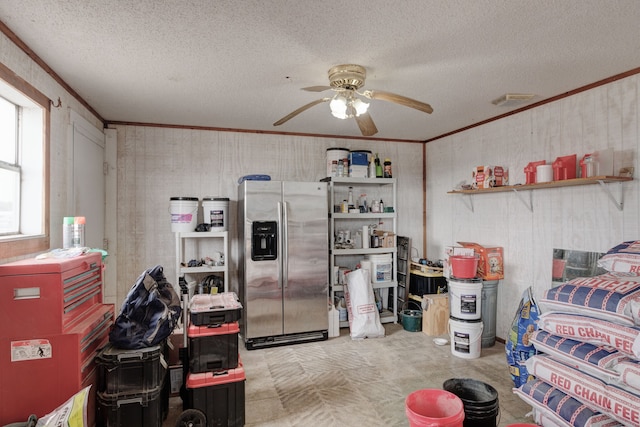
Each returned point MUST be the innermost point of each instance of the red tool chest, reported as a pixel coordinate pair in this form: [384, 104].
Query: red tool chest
[48, 295]
[52, 325]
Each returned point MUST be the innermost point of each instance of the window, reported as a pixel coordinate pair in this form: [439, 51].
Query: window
[24, 167]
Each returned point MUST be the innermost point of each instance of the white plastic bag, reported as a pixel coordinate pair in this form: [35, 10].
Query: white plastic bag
[364, 319]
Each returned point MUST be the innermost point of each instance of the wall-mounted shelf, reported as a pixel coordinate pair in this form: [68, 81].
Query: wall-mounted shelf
[601, 180]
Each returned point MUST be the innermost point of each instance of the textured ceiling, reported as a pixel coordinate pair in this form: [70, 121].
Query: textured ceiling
[241, 64]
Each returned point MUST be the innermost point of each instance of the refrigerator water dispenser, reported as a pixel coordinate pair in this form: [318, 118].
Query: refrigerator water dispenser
[264, 241]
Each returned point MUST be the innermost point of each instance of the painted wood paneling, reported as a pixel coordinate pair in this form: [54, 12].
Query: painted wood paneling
[155, 164]
[581, 218]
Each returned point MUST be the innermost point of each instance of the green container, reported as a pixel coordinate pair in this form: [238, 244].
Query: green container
[411, 320]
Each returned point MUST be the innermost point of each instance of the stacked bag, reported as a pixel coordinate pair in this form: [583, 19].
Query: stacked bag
[131, 370]
[588, 337]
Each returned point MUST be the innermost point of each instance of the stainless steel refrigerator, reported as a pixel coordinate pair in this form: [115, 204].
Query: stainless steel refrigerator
[283, 262]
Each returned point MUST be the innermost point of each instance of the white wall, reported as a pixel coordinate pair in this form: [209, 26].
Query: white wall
[155, 164]
[580, 218]
[61, 150]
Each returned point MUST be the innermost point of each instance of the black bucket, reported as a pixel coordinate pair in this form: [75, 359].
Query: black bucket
[481, 407]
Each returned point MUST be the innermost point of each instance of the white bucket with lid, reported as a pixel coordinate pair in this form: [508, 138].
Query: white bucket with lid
[381, 268]
[184, 214]
[465, 337]
[465, 296]
[337, 154]
[216, 213]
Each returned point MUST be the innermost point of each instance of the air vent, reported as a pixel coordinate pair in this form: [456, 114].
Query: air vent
[512, 99]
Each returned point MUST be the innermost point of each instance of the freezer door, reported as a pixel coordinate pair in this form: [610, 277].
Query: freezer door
[260, 287]
[305, 256]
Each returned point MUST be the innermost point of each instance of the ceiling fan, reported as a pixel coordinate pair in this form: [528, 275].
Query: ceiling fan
[345, 80]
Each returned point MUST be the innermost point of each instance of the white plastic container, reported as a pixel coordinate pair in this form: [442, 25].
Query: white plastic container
[544, 173]
[465, 337]
[184, 214]
[216, 213]
[334, 321]
[465, 296]
[381, 268]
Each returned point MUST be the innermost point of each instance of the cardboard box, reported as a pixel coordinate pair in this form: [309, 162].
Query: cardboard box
[356, 171]
[501, 176]
[386, 239]
[482, 177]
[491, 263]
[489, 176]
[176, 379]
[435, 316]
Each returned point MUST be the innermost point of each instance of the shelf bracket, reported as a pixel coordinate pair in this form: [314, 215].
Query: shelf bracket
[528, 204]
[468, 201]
[618, 202]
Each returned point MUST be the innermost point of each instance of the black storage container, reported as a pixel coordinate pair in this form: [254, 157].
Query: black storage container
[215, 309]
[421, 283]
[213, 348]
[127, 372]
[220, 396]
[147, 409]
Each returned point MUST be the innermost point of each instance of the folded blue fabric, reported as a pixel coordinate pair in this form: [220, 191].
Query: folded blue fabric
[256, 177]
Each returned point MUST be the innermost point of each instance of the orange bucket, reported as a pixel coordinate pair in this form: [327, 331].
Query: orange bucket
[434, 408]
[463, 266]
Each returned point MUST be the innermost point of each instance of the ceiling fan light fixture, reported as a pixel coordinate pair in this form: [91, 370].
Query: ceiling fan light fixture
[338, 106]
[360, 106]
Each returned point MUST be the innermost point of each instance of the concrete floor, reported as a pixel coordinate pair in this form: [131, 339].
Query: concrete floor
[342, 382]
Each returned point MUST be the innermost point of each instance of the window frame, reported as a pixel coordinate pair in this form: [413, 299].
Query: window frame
[21, 245]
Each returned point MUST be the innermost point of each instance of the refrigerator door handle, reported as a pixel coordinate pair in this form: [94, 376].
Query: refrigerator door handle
[285, 244]
[280, 247]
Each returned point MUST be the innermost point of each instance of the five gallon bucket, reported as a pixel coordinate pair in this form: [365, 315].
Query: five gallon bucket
[465, 336]
[481, 406]
[184, 214]
[489, 309]
[433, 408]
[463, 266]
[381, 268]
[465, 296]
[216, 213]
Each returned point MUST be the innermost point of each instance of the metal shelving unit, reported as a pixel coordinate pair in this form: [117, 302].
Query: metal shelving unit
[197, 245]
[381, 188]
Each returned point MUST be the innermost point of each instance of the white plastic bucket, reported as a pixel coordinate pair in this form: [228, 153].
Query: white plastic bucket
[465, 337]
[465, 298]
[337, 154]
[365, 264]
[216, 213]
[184, 214]
[381, 268]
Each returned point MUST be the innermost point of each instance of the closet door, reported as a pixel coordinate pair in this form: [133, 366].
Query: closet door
[88, 178]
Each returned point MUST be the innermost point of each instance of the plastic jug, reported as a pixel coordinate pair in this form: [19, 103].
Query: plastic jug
[586, 166]
[530, 171]
[564, 168]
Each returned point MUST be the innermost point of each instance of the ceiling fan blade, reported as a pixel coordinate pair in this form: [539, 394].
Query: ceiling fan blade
[300, 110]
[316, 88]
[366, 125]
[398, 99]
